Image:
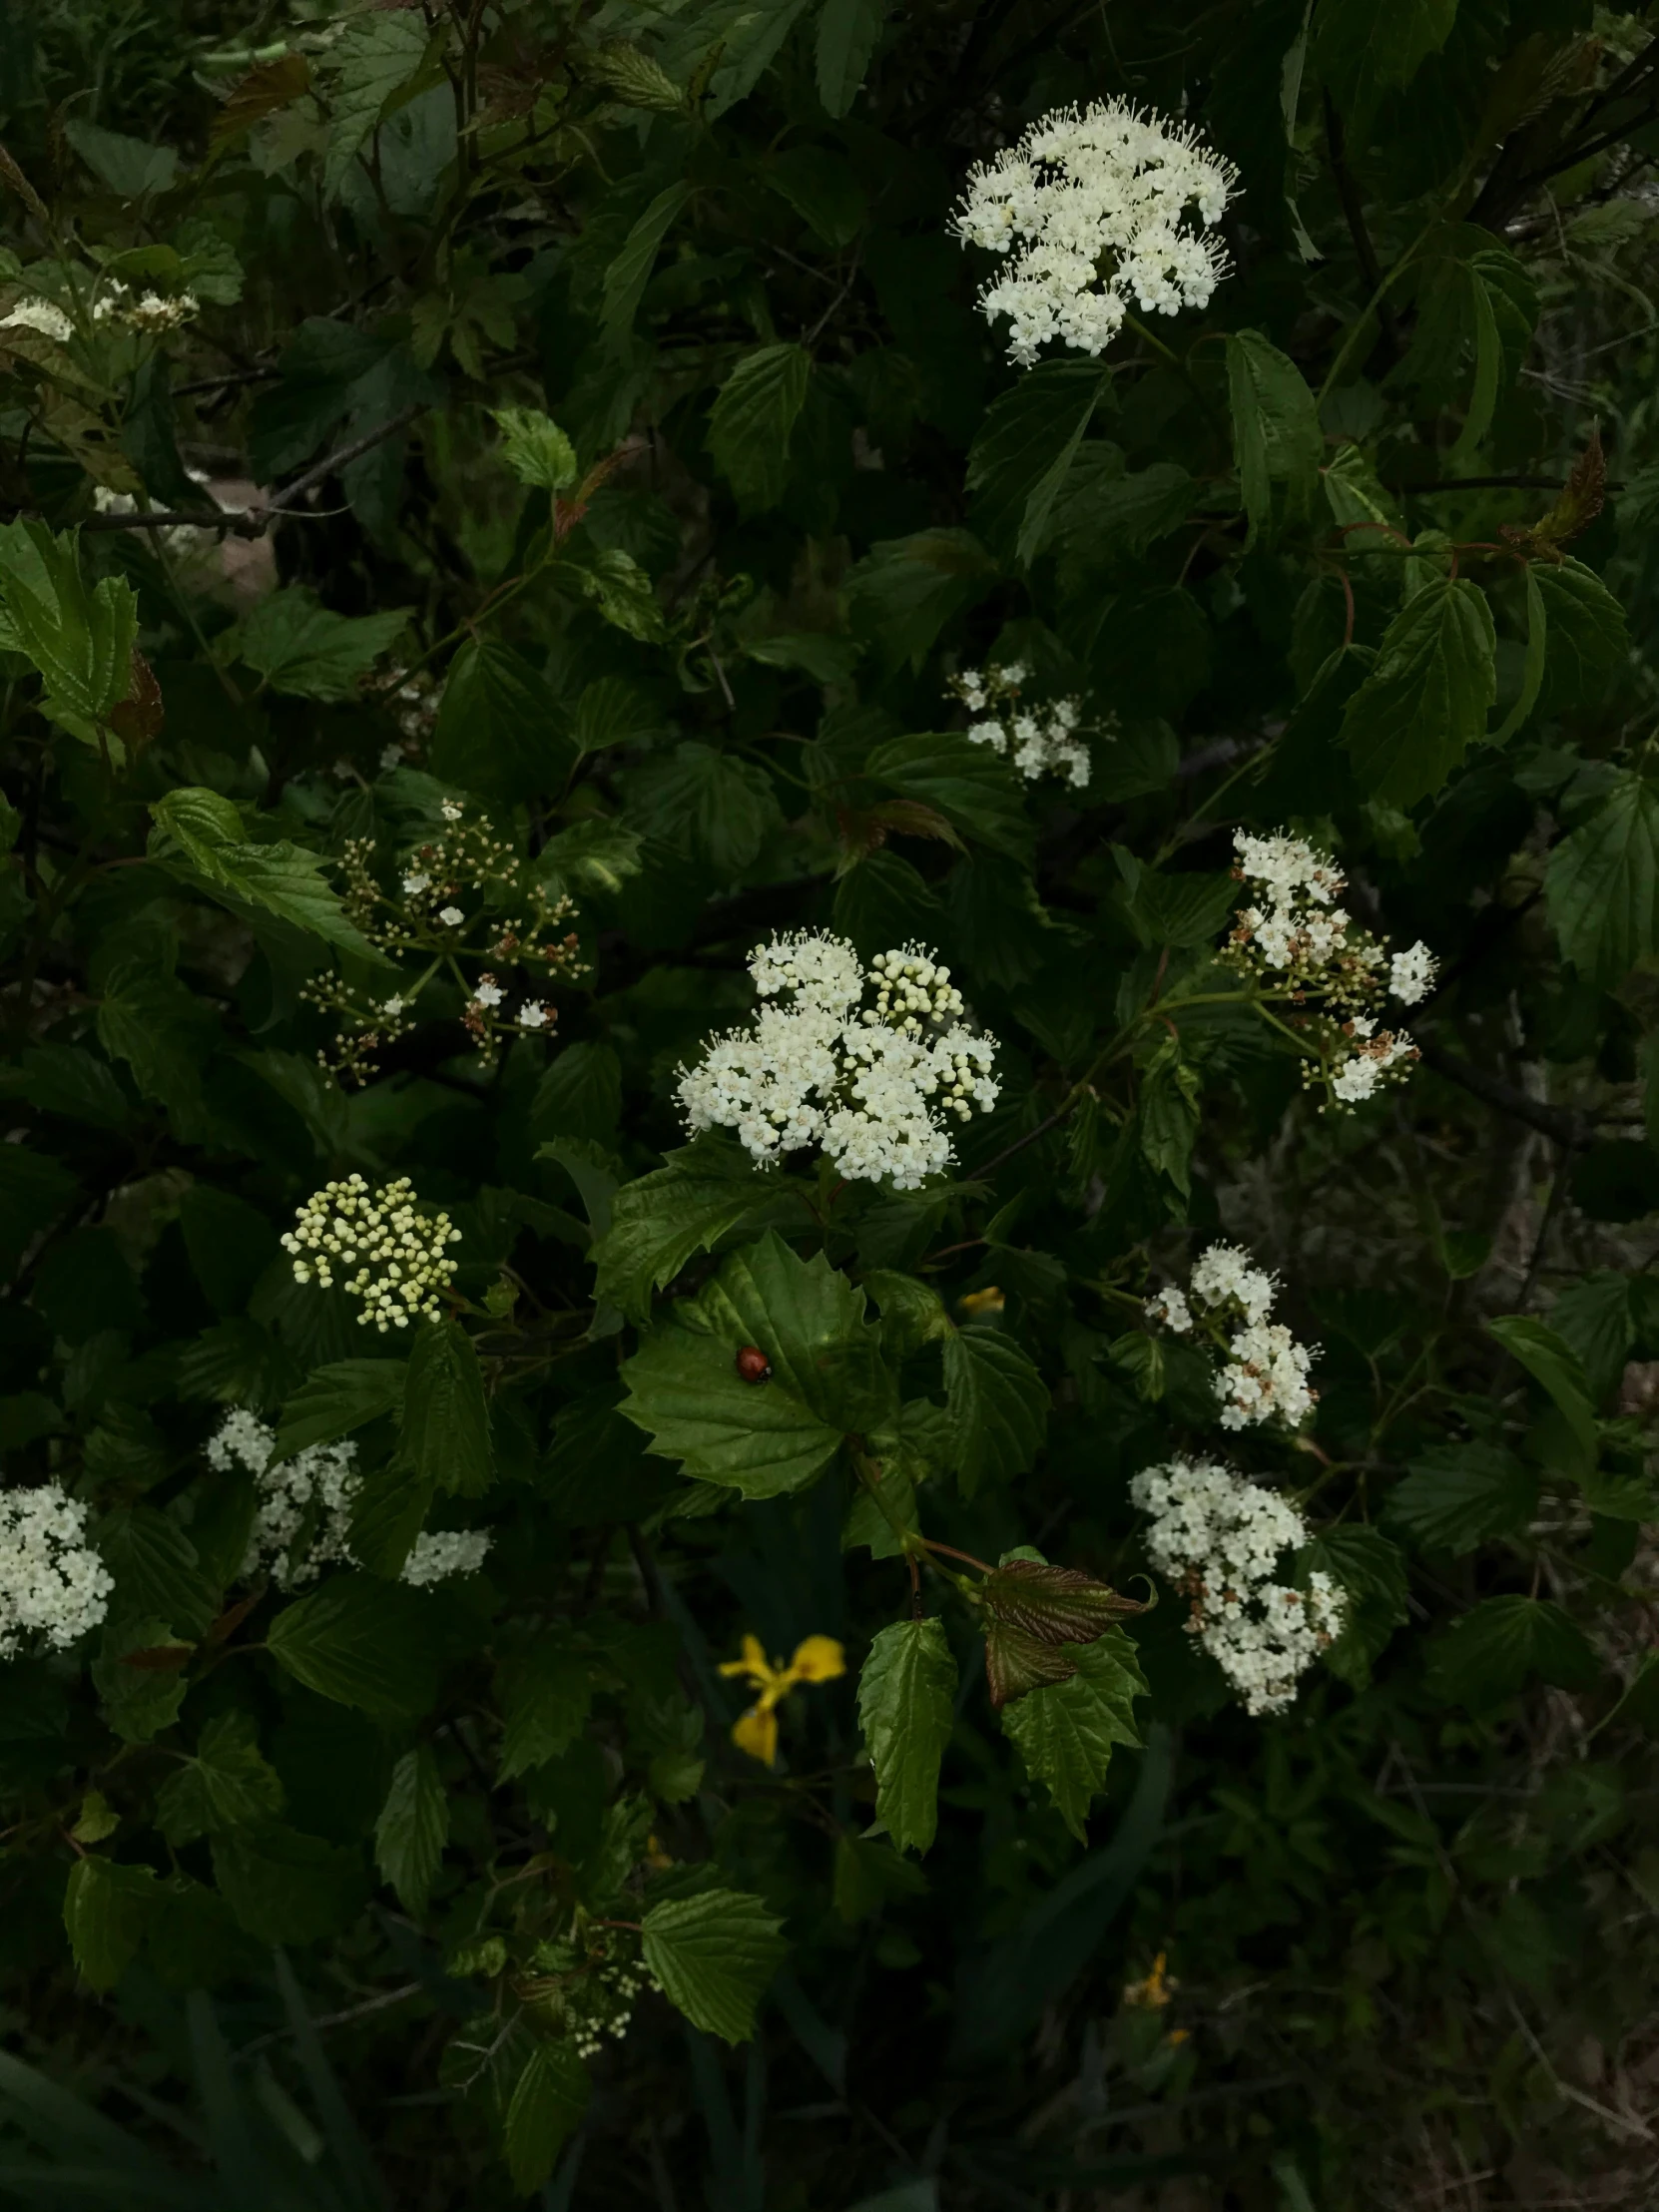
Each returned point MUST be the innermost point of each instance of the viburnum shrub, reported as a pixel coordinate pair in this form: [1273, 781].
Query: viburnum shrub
[830, 909]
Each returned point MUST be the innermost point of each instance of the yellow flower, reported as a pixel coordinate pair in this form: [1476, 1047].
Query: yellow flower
[817, 1659]
[989, 1300]
[1155, 1992]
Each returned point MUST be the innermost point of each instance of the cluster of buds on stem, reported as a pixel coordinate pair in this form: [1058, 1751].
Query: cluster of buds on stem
[471, 910]
[1331, 976]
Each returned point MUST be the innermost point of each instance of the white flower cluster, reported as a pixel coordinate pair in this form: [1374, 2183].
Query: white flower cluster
[38, 314]
[1093, 207]
[53, 1585]
[1293, 935]
[151, 311]
[1220, 1540]
[871, 1086]
[606, 1996]
[1263, 1375]
[400, 1256]
[303, 1522]
[1040, 741]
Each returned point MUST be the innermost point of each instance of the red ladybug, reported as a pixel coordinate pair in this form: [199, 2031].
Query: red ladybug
[753, 1366]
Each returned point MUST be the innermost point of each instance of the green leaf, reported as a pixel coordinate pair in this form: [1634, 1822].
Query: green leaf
[1551, 1361]
[714, 1956]
[1065, 1731]
[630, 273]
[1102, 515]
[131, 168]
[624, 593]
[499, 730]
[80, 641]
[1370, 1574]
[1603, 885]
[34, 1190]
[664, 1219]
[1532, 669]
[106, 1909]
[546, 1696]
[548, 2102]
[444, 1437]
[997, 1405]
[722, 807]
[1588, 640]
[848, 31]
[1425, 702]
[228, 1784]
[299, 646]
[285, 1887]
[761, 1439]
[751, 421]
[412, 1828]
[907, 1708]
[1363, 50]
[336, 1399]
[156, 1572]
[1277, 440]
[362, 1642]
[1456, 1497]
[1501, 1644]
[967, 783]
[535, 448]
[1023, 454]
[202, 834]
[904, 590]
[1595, 1320]
[371, 61]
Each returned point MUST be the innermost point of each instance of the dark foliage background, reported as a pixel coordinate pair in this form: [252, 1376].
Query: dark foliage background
[1403, 1932]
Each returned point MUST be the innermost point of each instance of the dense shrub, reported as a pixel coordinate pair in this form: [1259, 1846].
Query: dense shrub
[830, 926]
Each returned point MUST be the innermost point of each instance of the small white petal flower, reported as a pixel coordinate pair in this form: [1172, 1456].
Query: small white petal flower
[1221, 1540]
[1411, 974]
[41, 315]
[488, 992]
[416, 882]
[451, 917]
[1093, 209]
[452, 810]
[53, 1585]
[533, 1015]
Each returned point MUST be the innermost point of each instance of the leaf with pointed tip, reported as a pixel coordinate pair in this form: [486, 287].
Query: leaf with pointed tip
[907, 1708]
[714, 1954]
[412, 1828]
[1066, 1732]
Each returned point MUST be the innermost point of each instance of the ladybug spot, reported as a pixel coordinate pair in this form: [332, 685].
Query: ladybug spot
[752, 1364]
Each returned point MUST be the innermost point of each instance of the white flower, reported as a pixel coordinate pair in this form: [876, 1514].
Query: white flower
[1041, 741]
[393, 1006]
[416, 882]
[1220, 1538]
[1226, 1274]
[1093, 209]
[401, 1257]
[869, 1085]
[53, 1585]
[152, 312]
[488, 992]
[391, 755]
[1359, 1076]
[452, 810]
[451, 917]
[1411, 974]
[41, 315]
[1266, 1379]
[1263, 1375]
[441, 1553]
[303, 1520]
[533, 1015]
